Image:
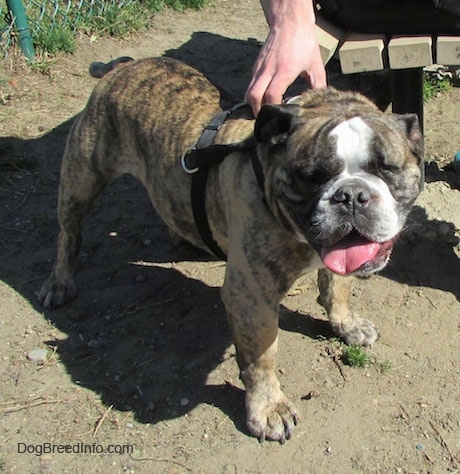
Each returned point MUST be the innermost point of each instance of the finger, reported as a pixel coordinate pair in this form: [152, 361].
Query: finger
[318, 79]
[255, 94]
[316, 75]
[254, 100]
[277, 88]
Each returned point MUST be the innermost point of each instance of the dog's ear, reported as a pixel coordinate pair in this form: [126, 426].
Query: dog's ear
[275, 122]
[410, 126]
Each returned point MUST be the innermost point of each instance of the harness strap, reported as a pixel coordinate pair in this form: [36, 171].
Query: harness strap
[258, 171]
[198, 159]
[198, 195]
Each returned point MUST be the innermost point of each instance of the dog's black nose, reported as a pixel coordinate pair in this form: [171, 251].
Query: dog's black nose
[352, 195]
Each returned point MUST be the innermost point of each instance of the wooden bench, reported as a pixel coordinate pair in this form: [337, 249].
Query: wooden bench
[405, 56]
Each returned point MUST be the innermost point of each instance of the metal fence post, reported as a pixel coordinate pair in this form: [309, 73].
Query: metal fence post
[22, 27]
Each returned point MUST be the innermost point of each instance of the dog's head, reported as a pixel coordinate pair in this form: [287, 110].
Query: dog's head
[341, 175]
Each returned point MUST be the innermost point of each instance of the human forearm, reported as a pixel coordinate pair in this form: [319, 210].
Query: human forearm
[280, 11]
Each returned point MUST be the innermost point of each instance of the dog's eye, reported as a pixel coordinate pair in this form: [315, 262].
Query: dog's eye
[305, 181]
[392, 168]
[299, 190]
[291, 194]
[304, 187]
[386, 164]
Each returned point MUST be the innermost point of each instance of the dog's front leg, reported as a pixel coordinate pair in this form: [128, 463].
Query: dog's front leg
[334, 296]
[252, 300]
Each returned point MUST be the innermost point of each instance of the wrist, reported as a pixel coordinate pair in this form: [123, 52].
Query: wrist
[282, 12]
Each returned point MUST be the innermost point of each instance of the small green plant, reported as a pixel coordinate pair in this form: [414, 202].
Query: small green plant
[52, 40]
[432, 87]
[181, 5]
[355, 356]
[384, 366]
[134, 16]
[43, 64]
[116, 21]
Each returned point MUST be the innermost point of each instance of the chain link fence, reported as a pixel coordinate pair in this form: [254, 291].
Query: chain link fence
[48, 14]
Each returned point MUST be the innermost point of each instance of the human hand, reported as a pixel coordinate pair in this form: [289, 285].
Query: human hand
[291, 50]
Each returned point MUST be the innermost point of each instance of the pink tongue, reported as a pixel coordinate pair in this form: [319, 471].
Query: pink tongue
[349, 254]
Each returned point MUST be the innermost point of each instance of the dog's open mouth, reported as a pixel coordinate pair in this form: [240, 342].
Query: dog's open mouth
[355, 253]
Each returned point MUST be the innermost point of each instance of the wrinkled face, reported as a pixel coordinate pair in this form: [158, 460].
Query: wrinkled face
[347, 186]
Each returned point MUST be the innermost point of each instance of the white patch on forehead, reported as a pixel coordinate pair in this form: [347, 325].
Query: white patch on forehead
[353, 139]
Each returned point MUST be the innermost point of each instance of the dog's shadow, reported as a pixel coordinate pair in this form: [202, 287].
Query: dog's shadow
[150, 353]
[141, 333]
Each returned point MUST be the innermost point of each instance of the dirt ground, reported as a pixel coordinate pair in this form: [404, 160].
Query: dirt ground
[143, 359]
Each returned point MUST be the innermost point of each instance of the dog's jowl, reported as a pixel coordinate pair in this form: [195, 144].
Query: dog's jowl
[338, 180]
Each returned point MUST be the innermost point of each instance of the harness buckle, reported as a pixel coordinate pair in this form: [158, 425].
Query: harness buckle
[188, 170]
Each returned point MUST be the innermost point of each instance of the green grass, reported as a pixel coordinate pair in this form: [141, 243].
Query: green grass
[52, 40]
[55, 32]
[119, 21]
[355, 356]
[433, 87]
[384, 366]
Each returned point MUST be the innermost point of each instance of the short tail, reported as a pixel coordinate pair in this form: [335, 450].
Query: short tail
[98, 69]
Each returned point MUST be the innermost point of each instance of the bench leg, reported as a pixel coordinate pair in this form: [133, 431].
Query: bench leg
[407, 97]
[407, 92]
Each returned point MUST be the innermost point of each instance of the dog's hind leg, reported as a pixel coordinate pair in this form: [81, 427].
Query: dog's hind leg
[79, 187]
[334, 297]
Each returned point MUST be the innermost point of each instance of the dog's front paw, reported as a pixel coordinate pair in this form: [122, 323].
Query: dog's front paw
[357, 332]
[56, 293]
[270, 415]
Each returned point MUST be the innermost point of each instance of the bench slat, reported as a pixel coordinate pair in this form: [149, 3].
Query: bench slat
[406, 52]
[329, 37]
[448, 50]
[362, 53]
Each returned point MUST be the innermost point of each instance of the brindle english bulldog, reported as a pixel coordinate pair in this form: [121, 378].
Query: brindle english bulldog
[339, 180]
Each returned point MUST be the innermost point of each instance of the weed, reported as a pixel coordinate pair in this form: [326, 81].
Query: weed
[184, 4]
[52, 40]
[384, 366]
[43, 64]
[432, 87]
[117, 21]
[355, 356]
[134, 16]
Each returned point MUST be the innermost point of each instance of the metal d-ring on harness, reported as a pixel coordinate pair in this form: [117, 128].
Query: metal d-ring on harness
[196, 160]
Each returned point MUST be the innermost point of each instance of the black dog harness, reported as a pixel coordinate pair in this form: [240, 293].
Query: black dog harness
[198, 159]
